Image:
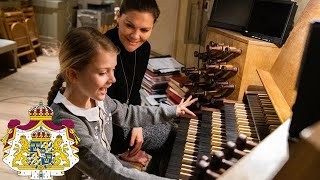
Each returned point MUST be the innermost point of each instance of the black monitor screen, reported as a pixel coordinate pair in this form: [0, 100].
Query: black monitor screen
[230, 14]
[269, 18]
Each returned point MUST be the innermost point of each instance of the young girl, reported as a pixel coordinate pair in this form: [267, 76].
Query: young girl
[87, 62]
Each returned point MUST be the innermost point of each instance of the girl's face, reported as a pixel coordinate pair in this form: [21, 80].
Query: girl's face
[134, 29]
[94, 80]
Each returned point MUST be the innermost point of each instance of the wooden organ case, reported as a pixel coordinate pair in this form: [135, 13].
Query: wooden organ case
[244, 157]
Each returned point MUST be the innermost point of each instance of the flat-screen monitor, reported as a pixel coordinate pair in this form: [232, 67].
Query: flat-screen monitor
[306, 110]
[230, 14]
[271, 20]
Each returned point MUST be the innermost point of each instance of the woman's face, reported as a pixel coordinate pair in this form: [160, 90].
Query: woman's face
[134, 29]
[98, 76]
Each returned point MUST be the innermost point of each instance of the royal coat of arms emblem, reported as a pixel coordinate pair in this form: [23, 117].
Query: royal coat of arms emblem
[40, 149]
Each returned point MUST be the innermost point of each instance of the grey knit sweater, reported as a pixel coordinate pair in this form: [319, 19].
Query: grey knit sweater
[96, 160]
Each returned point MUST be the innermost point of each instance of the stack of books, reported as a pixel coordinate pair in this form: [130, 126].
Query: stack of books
[155, 83]
[178, 88]
[156, 79]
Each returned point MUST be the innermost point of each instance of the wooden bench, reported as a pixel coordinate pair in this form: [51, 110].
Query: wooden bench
[8, 45]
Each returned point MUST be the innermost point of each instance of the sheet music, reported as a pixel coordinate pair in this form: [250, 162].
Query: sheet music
[168, 64]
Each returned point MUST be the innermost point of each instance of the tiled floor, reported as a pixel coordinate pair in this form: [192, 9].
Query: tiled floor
[19, 91]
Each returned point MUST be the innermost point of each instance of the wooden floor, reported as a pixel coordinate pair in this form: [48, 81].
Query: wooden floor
[19, 91]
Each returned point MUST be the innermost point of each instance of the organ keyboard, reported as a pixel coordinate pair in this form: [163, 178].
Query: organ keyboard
[217, 129]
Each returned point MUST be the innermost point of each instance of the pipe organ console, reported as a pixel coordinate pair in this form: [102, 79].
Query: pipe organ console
[249, 139]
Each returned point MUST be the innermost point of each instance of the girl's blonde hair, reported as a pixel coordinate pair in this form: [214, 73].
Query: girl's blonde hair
[80, 46]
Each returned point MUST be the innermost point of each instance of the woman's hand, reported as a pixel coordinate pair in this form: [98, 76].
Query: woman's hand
[182, 107]
[136, 140]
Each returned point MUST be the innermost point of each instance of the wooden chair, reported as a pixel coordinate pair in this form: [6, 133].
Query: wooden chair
[17, 31]
[33, 33]
[12, 17]
[20, 34]
[32, 28]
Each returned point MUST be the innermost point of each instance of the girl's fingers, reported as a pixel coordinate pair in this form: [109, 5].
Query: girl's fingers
[193, 100]
[188, 103]
[189, 112]
[182, 101]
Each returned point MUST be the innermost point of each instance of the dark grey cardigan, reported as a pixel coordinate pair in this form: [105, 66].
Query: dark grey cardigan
[95, 160]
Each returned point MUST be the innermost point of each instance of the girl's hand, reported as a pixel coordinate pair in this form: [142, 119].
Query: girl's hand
[182, 107]
[136, 140]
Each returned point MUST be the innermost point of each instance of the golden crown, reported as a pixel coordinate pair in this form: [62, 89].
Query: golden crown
[40, 112]
[41, 134]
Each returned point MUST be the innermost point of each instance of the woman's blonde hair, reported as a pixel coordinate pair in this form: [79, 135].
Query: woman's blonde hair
[80, 46]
